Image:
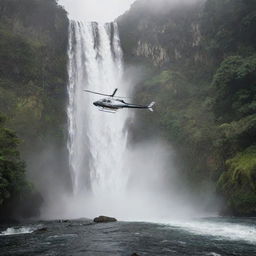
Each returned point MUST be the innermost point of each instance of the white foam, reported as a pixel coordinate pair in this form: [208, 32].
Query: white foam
[219, 230]
[18, 231]
[213, 254]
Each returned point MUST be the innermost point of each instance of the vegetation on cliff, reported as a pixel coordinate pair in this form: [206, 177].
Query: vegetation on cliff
[205, 87]
[33, 60]
[15, 192]
[12, 169]
[33, 67]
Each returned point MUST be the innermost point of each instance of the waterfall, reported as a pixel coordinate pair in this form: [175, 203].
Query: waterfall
[138, 183]
[97, 140]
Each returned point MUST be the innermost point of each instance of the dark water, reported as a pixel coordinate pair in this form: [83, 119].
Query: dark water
[210, 237]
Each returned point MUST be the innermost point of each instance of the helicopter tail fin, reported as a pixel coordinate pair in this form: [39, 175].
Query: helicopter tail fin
[150, 106]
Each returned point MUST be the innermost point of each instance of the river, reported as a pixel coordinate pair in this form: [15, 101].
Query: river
[210, 236]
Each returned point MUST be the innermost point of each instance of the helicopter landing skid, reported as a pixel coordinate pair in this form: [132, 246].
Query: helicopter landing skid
[112, 111]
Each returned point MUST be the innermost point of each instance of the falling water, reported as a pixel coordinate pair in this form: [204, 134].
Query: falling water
[97, 140]
[138, 183]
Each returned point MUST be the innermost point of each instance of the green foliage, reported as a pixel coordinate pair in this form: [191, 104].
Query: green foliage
[244, 164]
[205, 93]
[241, 132]
[12, 169]
[164, 77]
[235, 83]
[33, 60]
[33, 44]
[182, 115]
[228, 26]
[238, 182]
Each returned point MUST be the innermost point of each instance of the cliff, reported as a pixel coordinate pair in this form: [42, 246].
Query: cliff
[199, 62]
[33, 76]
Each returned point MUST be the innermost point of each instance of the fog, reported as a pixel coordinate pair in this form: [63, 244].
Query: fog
[146, 185]
[109, 10]
[153, 192]
[95, 10]
[134, 181]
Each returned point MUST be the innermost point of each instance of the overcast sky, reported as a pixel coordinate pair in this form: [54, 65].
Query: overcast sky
[96, 10]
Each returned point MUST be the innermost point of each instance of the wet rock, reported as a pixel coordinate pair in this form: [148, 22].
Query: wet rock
[104, 219]
[64, 221]
[41, 230]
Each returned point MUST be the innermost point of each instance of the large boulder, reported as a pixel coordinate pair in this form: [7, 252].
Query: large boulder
[104, 219]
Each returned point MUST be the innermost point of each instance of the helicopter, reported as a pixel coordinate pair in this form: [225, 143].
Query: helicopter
[113, 103]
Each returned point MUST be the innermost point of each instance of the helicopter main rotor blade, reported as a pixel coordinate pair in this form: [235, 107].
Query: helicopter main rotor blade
[98, 93]
[108, 95]
[119, 97]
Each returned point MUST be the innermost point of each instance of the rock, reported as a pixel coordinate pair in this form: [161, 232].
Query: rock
[135, 254]
[41, 230]
[104, 219]
[64, 221]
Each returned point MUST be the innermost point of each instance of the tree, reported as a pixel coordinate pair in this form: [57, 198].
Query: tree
[13, 182]
[235, 84]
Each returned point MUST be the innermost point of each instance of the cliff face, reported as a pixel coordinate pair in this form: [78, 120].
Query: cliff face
[34, 38]
[33, 76]
[163, 35]
[198, 31]
[200, 61]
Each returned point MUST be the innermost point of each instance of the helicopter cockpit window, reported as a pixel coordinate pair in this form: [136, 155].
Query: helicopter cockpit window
[106, 101]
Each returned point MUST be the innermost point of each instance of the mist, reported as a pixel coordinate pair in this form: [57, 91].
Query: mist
[111, 174]
[152, 191]
[163, 6]
[107, 11]
[95, 10]
[145, 185]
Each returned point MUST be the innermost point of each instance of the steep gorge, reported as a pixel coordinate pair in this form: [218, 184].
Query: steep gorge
[197, 61]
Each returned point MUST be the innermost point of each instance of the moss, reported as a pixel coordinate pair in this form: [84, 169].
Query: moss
[238, 183]
[244, 164]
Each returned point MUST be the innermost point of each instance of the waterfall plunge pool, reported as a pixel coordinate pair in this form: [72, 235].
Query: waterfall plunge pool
[212, 236]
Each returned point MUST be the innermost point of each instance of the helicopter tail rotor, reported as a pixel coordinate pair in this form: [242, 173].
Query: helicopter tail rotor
[150, 106]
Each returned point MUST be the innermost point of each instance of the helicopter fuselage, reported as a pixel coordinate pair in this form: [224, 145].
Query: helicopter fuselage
[115, 104]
